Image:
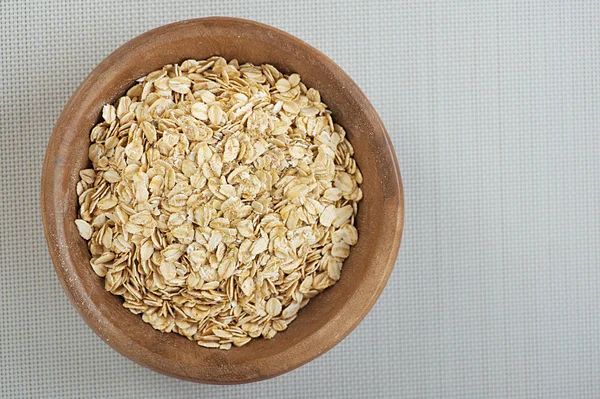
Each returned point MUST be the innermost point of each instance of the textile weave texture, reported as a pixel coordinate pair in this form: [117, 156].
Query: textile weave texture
[493, 108]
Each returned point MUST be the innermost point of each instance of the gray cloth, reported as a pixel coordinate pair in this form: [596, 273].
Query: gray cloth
[493, 108]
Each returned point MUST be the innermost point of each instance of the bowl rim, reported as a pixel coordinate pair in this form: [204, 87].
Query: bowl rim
[64, 265]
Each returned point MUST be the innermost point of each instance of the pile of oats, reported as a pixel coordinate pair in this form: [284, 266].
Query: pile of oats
[222, 198]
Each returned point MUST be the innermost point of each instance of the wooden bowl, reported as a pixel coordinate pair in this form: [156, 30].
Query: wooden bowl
[331, 315]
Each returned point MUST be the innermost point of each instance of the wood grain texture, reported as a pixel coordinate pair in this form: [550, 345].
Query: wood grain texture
[330, 316]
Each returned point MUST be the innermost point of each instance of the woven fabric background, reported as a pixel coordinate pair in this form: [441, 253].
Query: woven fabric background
[494, 110]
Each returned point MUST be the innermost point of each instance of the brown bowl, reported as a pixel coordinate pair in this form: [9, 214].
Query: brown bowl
[330, 316]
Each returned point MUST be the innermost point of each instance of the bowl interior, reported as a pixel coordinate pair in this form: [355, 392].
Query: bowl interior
[330, 316]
